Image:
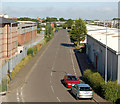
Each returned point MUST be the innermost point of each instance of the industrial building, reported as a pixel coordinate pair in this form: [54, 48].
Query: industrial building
[96, 50]
[6, 37]
[27, 30]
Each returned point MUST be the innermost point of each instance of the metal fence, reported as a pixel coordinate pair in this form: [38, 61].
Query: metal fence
[10, 65]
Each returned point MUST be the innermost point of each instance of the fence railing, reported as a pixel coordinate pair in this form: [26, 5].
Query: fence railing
[10, 65]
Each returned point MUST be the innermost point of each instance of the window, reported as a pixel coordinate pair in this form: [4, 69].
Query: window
[73, 78]
[85, 89]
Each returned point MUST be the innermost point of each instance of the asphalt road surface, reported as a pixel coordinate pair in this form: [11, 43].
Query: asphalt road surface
[43, 83]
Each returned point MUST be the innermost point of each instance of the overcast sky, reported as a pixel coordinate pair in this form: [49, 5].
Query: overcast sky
[85, 10]
[60, 0]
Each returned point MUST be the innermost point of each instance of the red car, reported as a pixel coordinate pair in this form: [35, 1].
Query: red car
[70, 80]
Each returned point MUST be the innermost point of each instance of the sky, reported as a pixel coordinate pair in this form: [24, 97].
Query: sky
[85, 10]
[60, 0]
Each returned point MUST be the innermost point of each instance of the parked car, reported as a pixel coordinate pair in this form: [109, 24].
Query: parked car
[82, 91]
[70, 80]
[56, 30]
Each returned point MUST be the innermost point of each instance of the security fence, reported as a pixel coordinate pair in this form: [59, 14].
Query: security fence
[10, 65]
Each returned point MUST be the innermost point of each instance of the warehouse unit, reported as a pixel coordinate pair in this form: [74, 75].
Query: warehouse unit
[6, 38]
[27, 30]
[96, 50]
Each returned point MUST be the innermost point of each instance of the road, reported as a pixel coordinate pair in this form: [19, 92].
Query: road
[43, 83]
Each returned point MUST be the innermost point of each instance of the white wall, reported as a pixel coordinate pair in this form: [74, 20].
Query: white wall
[98, 49]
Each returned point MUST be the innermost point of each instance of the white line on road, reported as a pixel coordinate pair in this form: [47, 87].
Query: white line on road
[58, 99]
[52, 89]
[51, 74]
[18, 99]
[72, 62]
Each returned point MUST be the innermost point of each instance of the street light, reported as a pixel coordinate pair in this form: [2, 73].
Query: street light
[106, 58]
[11, 51]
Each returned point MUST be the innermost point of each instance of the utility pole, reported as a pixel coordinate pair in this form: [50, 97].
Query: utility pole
[11, 64]
[106, 58]
[11, 53]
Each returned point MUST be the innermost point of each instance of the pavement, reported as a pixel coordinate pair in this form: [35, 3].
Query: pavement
[83, 65]
[40, 79]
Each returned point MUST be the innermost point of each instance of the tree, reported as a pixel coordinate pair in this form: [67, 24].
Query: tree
[55, 25]
[61, 19]
[52, 19]
[69, 23]
[48, 30]
[79, 30]
[64, 26]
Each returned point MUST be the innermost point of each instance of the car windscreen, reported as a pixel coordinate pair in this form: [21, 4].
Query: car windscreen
[85, 89]
[73, 78]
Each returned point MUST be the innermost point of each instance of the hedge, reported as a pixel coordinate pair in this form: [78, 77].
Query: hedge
[30, 51]
[109, 91]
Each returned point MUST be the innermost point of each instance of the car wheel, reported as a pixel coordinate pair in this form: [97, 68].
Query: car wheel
[76, 97]
[91, 98]
[66, 85]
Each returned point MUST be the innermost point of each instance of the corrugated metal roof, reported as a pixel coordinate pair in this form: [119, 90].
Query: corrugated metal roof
[6, 21]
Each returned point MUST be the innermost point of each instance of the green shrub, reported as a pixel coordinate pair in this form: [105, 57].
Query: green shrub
[75, 43]
[30, 51]
[111, 91]
[35, 49]
[77, 47]
[95, 80]
[119, 91]
[3, 85]
[82, 44]
[87, 74]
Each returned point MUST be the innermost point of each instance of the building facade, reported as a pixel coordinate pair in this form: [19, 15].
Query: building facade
[96, 51]
[26, 31]
[8, 38]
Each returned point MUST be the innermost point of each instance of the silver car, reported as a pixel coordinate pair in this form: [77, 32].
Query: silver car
[82, 91]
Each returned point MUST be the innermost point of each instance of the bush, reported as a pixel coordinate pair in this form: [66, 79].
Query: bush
[75, 43]
[30, 51]
[87, 74]
[95, 80]
[77, 47]
[35, 49]
[82, 44]
[111, 91]
[3, 85]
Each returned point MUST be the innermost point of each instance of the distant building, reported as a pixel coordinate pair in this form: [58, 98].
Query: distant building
[37, 18]
[52, 24]
[96, 48]
[5, 38]
[27, 30]
[4, 15]
[110, 23]
[42, 20]
[15, 18]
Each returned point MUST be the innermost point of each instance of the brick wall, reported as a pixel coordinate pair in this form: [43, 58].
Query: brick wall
[5, 41]
[26, 37]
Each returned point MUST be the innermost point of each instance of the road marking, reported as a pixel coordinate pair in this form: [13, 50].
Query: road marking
[58, 99]
[51, 74]
[72, 62]
[52, 89]
[18, 99]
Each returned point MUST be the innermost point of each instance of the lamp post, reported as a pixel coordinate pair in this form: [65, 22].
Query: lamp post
[106, 58]
[11, 51]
